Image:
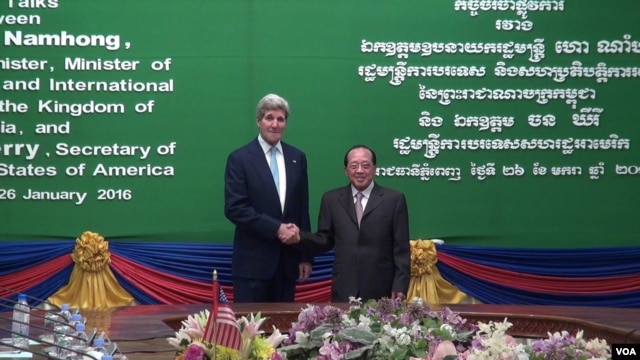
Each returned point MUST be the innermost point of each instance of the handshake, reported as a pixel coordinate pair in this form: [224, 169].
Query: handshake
[289, 234]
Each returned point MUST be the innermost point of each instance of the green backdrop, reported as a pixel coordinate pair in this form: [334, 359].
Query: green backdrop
[540, 96]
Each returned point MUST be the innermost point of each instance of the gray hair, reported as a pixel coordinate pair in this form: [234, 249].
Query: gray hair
[272, 102]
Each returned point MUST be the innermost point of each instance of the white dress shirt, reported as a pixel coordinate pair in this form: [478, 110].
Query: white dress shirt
[282, 175]
[365, 198]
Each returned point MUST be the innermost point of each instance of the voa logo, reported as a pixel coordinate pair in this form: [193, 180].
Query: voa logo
[625, 351]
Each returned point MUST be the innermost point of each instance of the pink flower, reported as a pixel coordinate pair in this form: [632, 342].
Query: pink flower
[250, 325]
[510, 341]
[444, 348]
[195, 352]
[276, 356]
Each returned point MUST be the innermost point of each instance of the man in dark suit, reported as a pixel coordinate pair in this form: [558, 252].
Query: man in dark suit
[372, 254]
[266, 187]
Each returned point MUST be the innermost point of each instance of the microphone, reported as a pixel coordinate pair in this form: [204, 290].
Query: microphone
[46, 352]
[48, 331]
[31, 325]
[55, 320]
[5, 303]
[52, 321]
[49, 346]
[9, 303]
[42, 352]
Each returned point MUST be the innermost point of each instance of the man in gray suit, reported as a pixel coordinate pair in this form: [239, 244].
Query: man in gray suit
[368, 225]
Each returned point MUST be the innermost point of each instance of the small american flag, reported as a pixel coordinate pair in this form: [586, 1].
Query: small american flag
[222, 328]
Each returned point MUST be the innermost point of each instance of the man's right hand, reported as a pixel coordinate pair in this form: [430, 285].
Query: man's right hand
[289, 234]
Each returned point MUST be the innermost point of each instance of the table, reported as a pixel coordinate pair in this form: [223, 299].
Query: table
[141, 331]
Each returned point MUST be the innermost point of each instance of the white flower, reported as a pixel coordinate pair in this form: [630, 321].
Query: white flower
[347, 321]
[598, 348]
[496, 344]
[503, 326]
[390, 330]
[446, 327]
[327, 337]
[276, 338]
[175, 341]
[365, 323]
[417, 300]
[557, 336]
[403, 339]
[251, 325]
[192, 328]
[302, 337]
[485, 327]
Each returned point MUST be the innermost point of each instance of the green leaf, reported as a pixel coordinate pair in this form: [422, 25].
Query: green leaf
[463, 335]
[317, 333]
[400, 354]
[298, 352]
[419, 348]
[419, 345]
[294, 347]
[359, 352]
[359, 336]
[376, 327]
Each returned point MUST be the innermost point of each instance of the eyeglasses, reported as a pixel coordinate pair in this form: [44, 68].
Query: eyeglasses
[355, 166]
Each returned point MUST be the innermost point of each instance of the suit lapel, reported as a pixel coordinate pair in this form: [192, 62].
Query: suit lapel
[346, 201]
[293, 173]
[290, 172]
[374, 200]
[261, 166]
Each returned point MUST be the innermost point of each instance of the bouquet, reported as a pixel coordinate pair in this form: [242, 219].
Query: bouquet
[383, 329]
[492, 342]
[190, 345]
[391, 329]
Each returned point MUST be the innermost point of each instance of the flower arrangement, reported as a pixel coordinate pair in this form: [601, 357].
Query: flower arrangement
[492, 342]
[190, 345]
[392, 329]
[383, 329]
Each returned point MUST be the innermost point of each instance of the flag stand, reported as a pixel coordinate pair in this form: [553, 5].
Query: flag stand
[215, 306]
[222, 326]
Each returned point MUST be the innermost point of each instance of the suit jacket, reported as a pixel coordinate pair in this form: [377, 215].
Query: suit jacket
[253, 205]
[371, 261]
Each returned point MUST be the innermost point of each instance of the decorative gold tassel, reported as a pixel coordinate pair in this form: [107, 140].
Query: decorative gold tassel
[426, 281]
[91, 285]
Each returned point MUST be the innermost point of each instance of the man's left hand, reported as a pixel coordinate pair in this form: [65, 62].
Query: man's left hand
[305, 271]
